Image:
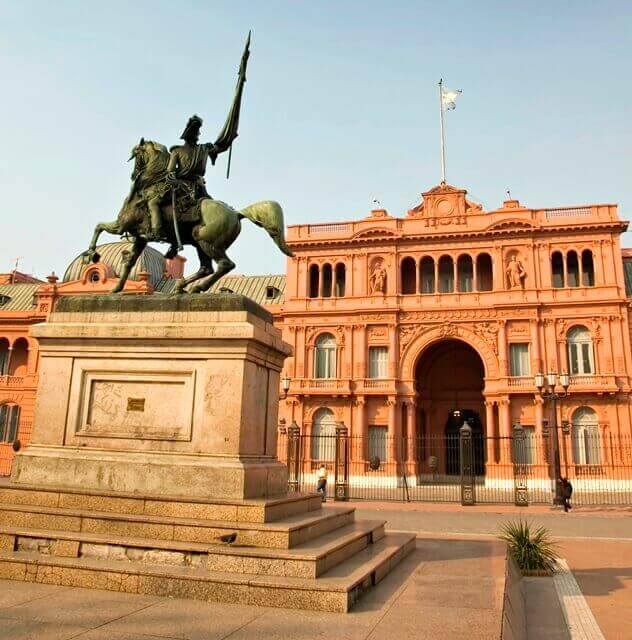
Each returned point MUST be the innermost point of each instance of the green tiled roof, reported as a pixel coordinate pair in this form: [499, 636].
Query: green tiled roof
[253, 287]
[151, 261]
[20, 296]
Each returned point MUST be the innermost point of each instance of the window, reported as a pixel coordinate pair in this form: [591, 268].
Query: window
[314, 279]
[580, 351]
[446, 274]
[408, 282]
[524, 449]
[427, 270]
[588, 268]
[340, 280]
[323, 435]
[325, 357]
[557, 269]
[572, 269]
[4, 300]
[9, 418]
[271, 292]
[327, 280]
[94, 276]
[4, 358]
[585, 437]
[377, 442]
[378, 362]
[484, 273]
[465, 271]
[519, 359]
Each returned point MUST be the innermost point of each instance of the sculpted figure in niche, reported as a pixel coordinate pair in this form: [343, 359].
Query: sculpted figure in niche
[515, 273]
[377, 279]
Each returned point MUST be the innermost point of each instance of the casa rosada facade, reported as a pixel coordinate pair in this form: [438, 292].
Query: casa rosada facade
[398, 322]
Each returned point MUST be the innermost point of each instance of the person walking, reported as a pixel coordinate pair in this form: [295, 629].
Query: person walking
[567, 492]
[321, 487]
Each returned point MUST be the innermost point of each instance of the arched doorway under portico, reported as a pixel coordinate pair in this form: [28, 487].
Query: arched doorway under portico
[449, 380]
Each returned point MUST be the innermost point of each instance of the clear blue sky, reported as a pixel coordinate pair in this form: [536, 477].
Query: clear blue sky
[340, 107]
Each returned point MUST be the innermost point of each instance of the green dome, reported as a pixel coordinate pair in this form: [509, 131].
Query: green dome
[151, 261]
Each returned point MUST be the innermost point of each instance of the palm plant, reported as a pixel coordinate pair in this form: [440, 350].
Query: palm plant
[532, 549]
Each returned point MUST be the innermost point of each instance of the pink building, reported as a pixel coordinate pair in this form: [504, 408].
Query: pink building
[398, 322]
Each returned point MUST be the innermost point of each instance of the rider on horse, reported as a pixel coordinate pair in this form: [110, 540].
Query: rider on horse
[185, 173]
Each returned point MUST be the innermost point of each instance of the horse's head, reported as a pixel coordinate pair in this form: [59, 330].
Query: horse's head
[150, 159]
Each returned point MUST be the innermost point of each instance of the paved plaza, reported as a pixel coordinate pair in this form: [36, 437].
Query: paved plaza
[449, 587]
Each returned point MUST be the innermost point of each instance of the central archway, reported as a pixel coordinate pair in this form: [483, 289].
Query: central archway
[450, 379]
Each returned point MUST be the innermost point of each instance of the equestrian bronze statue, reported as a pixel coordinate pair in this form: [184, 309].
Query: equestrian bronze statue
[168, 202]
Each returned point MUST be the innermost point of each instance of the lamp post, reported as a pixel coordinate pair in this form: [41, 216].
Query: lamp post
[285, 385]
[546, 385]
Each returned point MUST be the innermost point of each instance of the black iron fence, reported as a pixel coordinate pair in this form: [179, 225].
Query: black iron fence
[465, 467]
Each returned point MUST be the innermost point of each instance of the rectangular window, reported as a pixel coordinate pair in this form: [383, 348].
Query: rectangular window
[377, 442]
[378, 362]
[519, 359]
[524, 448]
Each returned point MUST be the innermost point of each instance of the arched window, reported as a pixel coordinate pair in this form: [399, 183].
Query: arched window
[580, 351]
[557, 269]
[323, 435]
[484, 273]
[314, 281]
[325, 356]
[585, 437]
[327, 280]
[427, 275]
[19, 358]
[408, 281]
[4, 356]
[9, 419]
[588, 268]
[465, 274]
[446, 274]
[340, 280]
[572, 269]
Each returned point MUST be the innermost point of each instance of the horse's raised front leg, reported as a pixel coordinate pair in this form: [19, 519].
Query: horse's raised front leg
[129, 261]
[111, 227]
[206, 268]
[224, 265]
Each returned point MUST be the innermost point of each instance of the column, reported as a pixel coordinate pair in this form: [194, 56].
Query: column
[333, 279]
[474, 273]
[7, 363]
[411, 435]
[360, 429]
[393, 428]
[417, 267]
[359, 351]
[436, 275]
[504, 418]
[610, 367]
[564, 269]
[455, 284]
[536, 359]
[321, 281]
[393, 351]
[490, 431]
[502, 347]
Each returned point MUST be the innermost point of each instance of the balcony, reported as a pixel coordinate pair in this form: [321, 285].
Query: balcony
[19, 382]
[375, 386]
[320, 386]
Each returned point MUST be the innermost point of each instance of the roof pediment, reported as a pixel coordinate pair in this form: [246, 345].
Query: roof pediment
[509, 223]
[374, 232]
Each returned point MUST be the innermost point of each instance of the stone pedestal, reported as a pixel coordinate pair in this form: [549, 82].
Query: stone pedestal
[175, 396]
[153, 465]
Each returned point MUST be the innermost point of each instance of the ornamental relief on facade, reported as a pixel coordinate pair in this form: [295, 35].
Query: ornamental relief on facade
[379, 333]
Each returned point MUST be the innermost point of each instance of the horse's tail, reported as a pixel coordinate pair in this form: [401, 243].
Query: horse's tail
[269, 215]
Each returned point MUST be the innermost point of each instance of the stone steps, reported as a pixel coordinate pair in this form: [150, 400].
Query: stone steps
[336, 590]
[308, 560]
[280, 534]
[252, 510]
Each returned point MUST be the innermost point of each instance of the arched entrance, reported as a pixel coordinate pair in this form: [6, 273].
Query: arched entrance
[450, 381]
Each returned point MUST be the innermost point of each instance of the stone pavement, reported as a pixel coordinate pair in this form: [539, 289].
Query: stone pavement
[444, 589]
[581, 522]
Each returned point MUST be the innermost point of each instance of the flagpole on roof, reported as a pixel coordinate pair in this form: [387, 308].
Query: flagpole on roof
[442, 134]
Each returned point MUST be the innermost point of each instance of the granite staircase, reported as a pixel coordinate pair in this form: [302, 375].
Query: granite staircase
[288, 552]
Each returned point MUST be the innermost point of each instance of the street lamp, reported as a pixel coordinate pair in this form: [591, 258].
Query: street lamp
[285, 385]
[546, 388]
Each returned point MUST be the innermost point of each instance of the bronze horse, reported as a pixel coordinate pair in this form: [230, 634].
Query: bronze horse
[211, 226]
